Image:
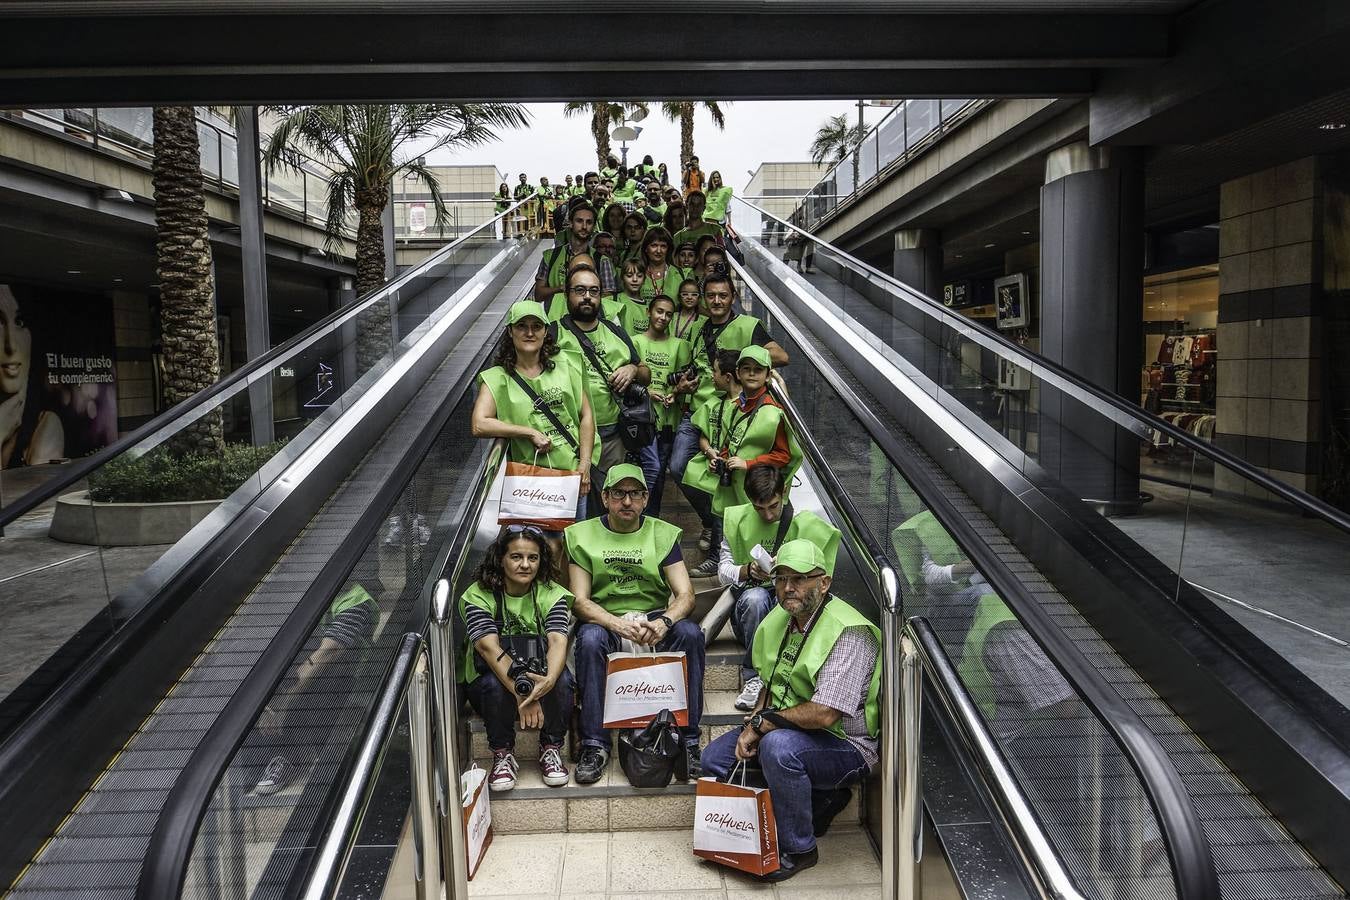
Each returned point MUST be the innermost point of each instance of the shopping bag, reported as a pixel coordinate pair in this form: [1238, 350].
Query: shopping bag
[640, 685]
[734, 824]
[536, 495]
[648, 755]
[477, 815]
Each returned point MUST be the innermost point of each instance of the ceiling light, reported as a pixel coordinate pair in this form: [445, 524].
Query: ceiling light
[957, 255]
[116, 195]
[72, 271]
[989, 246]
[1026, 232]
[297, 309]
[1331, 126]
[117, 280]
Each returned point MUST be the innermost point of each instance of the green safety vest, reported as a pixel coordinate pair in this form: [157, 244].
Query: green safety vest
[740, 434]
[743, 528]
[913, 536]
[989, 611]
[523, 190]
[610, 308]
[607, 174]
[519, 615]
[352, 597]
[662, 358]
[559, 388]
[626, 574]
[694, 232]
[659, 207]
[736, 334]
[687, 330]
[669, 285]
[718, 200]
[557, 257]
[614, 348]
[644, 169]
[502, 204]
[633, 316]
[790, 662]
[626, 192]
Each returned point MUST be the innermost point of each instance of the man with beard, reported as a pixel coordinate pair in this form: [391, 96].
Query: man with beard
[605, 353]
[816, 726]
[553, 266]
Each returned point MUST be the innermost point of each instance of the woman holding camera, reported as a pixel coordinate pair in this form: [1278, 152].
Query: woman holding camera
[515, 662]
[674, 378]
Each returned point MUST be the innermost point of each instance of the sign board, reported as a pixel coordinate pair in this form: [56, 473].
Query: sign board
[417, 218]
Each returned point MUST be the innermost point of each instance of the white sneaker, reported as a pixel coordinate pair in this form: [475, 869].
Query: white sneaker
[749, 694]
[504, 768]
[551, 767]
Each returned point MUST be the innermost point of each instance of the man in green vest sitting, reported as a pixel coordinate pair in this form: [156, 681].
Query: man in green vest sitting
[768, 521]
[815, 728]
[625, 562]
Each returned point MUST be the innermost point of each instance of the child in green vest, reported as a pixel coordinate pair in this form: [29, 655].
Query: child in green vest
[514, 660]
[768, 521]
[632, 305]
[688, 320]
[665, 356]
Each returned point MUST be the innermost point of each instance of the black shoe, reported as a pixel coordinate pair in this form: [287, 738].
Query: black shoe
[693, 762]
[830, 805]
[790, 864]
[278, 775]
[592, 766]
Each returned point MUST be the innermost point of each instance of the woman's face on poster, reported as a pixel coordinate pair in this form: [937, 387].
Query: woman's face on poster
[16, 344]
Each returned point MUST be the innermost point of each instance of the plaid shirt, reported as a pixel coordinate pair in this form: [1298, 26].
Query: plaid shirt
[843, 682]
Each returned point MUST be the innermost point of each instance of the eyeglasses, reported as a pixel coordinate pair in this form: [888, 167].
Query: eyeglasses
[582, 290]
[635, 494]
[521, 529]
[795, 580]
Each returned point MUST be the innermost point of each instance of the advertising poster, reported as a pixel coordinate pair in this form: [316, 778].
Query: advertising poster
[58, 378]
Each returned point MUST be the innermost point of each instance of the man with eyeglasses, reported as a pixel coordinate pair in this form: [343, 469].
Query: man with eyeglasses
[816, 726]
[625, 563]
[606, 355]
[553, 267]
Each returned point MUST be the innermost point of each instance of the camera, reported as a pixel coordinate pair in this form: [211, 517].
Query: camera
[723, 472]
[719, 268]
[690, 371]
[527, 658]
[634, 395]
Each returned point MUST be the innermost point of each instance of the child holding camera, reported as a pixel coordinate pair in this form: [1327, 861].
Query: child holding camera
[515, 662]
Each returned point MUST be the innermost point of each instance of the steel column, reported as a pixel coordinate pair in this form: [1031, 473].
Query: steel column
[252, 245]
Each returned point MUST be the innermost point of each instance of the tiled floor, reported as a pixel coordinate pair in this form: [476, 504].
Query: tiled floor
[661, 864]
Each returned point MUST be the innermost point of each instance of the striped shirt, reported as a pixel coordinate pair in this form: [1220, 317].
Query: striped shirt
[353, 627]
[480, 623]
[843, 682]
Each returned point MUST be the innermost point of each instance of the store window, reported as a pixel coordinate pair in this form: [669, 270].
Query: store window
[1181, 353]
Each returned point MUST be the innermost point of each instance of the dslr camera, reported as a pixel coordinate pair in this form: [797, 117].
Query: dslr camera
[719, 268]
[689, 371]
[527, 658]
[723, 471]
[634, 394]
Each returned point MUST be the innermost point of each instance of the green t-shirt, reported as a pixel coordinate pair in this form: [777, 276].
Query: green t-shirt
[626, 569]
[662, 358]
[613, 349]
[560, 388]
[669, 285]
[694, 232]
[520, 615]
[633, 316]
[718, 201]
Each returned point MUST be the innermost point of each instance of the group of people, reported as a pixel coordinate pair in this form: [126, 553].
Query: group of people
[628, 310]
[617, 192]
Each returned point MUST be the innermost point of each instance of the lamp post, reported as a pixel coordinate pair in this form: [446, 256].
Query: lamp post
[625, 132]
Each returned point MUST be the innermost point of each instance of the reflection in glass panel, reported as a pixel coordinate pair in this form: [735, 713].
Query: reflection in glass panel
[209, 139]
[867, 159]
[921, 118]
[132, 128]
[951, 107]
[843, 177]
[891, 133]
[229, 159]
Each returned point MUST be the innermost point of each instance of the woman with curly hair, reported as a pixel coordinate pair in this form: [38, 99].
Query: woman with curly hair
[527, 372]
[516, 618]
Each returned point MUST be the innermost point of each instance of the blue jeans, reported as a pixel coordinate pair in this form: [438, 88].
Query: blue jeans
[801, 768]
[655, 462]
[596, 642]
[497, 705]
[752, 605]
[682, 451]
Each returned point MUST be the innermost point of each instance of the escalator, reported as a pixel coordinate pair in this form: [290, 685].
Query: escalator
[373, 404]
[939, 427]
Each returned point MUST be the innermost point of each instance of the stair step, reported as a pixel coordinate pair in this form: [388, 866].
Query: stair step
[609, 805]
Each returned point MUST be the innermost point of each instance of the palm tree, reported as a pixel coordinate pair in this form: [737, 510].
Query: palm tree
[835, 138]
[603, 113]
[183, 267]
[682, 111]
[366, 148]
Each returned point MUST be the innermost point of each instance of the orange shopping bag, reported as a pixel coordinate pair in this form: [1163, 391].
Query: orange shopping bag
[477, 815]
[535, 495]
[734, 824]
[639, 685]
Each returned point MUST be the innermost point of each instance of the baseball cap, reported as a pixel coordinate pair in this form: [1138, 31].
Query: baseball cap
[523, 308]
[620, 472]
[801, 556]
[757, 354]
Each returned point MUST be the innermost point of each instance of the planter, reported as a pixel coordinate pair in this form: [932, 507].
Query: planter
[124, 524]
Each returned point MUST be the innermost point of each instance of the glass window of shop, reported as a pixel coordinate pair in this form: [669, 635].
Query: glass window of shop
[1179, 381]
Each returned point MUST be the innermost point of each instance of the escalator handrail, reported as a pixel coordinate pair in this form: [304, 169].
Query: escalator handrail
[238, 379]
[1188, 848]
[1033, 842]
[165, 865]
[1084, 391]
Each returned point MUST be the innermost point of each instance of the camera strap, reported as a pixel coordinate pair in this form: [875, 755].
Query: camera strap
[784, 522]
[711, 334]
[542, 407]
[501, 610]
[588, 348]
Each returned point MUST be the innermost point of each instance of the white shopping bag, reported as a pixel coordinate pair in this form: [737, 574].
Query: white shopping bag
[535, 495]
[640, 685]
[734, 825]
[474, 798]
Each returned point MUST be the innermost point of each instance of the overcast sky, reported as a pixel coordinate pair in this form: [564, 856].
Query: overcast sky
[756, 132]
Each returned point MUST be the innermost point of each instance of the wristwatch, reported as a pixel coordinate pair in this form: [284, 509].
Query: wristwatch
[755, 722]
[666, 619]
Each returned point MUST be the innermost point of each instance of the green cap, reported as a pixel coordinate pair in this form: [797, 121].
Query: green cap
[522, 308]
[620, 472]
[756, 353]
[801, 556]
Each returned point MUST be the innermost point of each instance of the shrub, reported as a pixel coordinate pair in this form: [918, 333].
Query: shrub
[161, 477]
